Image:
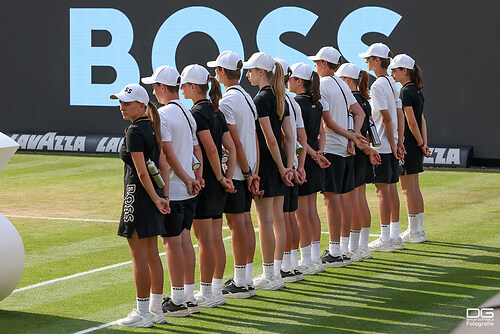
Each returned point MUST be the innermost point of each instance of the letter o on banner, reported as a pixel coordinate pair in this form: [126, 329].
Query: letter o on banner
[189, 20]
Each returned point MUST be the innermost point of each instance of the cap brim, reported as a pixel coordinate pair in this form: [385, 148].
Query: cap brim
[212, 63]
[364, 55]
[148, 80]
[247, 65]
[121, 97]
[314, 58]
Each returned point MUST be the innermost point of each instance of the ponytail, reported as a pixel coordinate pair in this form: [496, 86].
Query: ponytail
[363, 84]
[215, 93]
[154, 117]
[277, 78]
[416, 76]
[312, 88]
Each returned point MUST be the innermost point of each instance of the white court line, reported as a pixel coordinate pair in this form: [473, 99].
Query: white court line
[88, 330]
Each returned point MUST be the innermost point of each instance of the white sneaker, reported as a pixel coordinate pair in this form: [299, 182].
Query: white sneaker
[423, 237]
[307, 269]
[136, 319]
[205, 300]
[280, 284]
[365, 253]
[320, 268]
[262, 283]
[398, 243]
[380, 246]
[219, 298]
[158, 316]
[411, 237]
[356, 256]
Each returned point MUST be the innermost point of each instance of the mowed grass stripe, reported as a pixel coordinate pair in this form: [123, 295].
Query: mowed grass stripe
[425, 288]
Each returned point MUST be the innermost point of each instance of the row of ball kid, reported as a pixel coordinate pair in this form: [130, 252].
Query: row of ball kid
[277, 150]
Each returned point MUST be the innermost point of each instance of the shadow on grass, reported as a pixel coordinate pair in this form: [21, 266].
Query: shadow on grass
[13, 322]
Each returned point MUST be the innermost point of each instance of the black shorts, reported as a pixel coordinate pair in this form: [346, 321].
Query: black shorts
[388, 170]
[361, 162]
[339, 176]
[211, 200]
[291, 201]
[139, 213]
[414, 160]
[315, 176]
[240, 202]
[180, 217]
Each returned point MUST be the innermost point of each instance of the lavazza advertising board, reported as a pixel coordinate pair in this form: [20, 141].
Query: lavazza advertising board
[62, 59]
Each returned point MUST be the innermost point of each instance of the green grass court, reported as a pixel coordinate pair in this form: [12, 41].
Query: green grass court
[424, 289]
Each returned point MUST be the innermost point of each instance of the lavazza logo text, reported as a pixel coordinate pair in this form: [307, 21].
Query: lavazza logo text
[480, 317]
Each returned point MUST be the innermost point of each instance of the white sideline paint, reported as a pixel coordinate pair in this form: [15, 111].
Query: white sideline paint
[97, 269]
[96, 328]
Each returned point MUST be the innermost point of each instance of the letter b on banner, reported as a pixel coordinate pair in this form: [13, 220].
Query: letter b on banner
[82, 55]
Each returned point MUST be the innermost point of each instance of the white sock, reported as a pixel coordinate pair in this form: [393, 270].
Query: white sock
[305, 254]
[386, 232]
[363, 237]
[344, 244]
[240, 273]
[295, 258]
[217, 285]
[268, 270]
[277, 267]
[421, 222]
[394, 230]
[249, 272]
[188, 291]
[286, 265]
[354, 241]
[155, 300]
[177, 294]
[315, 250]
[413, 223]
[334, 248]
[142, 305]
[205, 288]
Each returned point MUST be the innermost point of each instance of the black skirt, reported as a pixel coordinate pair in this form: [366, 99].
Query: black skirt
[315, 176]
[140, 213]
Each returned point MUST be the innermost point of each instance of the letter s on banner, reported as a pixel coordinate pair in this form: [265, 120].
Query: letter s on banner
[82, 55]
[280, 21]
[362, 21]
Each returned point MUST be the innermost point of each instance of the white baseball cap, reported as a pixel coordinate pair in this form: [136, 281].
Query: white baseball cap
[348, 70]
[283, 63]
[227, 59]
[402, 60]
[260, 60]
[376, 50]
[328, 53]
[166, 75]
[302, 71]
[132, 92]
[195, 74]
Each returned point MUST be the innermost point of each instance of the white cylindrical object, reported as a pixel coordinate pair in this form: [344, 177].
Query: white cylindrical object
[11, 257]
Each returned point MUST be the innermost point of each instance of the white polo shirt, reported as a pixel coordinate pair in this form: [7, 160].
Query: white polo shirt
[383, 97]
[333, 101]
[295, 120]
[175, 129]
[237, 111]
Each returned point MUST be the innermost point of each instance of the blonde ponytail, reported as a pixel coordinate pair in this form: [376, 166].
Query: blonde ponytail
[277, 79]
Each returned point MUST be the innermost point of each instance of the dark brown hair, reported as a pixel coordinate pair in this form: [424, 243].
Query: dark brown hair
[333, 66]
[215, 93]
[385, 62]
[362, 83]
[312, 88]
[154, 117]
[233, 74]
[416, 76]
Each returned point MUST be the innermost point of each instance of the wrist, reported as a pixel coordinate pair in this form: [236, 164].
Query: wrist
[421, 145]
[166, 197]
